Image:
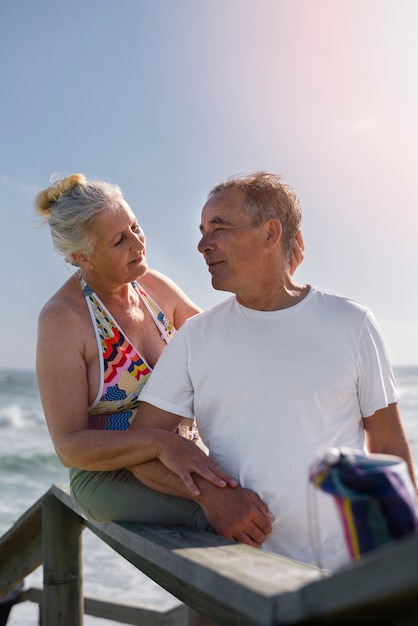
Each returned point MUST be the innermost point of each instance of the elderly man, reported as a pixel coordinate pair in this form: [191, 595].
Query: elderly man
[274, 375]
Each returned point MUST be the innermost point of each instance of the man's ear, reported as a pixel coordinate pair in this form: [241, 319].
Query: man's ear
[273, 232]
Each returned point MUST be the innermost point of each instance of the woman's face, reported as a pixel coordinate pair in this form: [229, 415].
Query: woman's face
[119, 252]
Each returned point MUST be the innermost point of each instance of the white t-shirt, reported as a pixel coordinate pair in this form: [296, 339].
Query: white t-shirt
[270, 391]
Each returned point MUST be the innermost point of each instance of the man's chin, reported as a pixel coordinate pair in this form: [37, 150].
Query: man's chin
[219, 286]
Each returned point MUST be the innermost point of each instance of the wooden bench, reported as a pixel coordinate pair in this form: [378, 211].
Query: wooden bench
[230, 583]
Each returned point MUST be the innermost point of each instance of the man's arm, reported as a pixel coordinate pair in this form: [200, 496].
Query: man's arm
[234, 512]
[385, 434]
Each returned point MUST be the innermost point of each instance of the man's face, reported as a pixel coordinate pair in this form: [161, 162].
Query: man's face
[232, 247]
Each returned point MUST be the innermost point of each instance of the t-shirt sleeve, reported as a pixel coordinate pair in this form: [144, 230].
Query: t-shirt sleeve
[169, 386]
[376, 387]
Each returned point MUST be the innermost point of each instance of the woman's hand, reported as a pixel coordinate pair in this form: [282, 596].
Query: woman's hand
[298, 253]
[185, 458]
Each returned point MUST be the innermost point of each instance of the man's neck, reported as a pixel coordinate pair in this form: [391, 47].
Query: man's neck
[283, 297]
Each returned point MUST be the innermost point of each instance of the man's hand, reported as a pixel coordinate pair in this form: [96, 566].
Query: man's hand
[237, 514]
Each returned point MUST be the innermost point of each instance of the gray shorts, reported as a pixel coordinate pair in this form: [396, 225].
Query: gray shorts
[118, 495]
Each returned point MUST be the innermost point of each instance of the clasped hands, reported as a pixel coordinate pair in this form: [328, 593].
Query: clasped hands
[234, 511]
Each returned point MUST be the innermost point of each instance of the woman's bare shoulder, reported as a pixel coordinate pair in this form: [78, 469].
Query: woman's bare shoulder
[153, 278]
[160, 283]
[66, 304]
[176, 304]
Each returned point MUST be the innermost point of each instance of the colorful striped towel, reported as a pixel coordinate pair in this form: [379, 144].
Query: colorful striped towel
[374, 495]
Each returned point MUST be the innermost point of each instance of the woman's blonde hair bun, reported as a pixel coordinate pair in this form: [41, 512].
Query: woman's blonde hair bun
[70, 207]
[46, 198]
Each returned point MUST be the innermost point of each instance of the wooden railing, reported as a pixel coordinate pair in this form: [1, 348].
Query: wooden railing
[230, 583]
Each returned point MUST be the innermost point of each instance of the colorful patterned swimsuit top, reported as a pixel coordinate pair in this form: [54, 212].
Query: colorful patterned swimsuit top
[123, 372]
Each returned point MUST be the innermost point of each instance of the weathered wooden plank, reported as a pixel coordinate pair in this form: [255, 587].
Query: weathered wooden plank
[181, 578]
[241, 581]
[204, 570]
[61, 551]
[134, 614]
[123, 612]
[16, 563]
[235, 584]
[380, 588]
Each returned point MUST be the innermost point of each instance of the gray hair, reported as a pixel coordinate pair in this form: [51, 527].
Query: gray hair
[70, 206]
[268, 196]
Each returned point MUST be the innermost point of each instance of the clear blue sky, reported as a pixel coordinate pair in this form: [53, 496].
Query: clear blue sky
[168, 97]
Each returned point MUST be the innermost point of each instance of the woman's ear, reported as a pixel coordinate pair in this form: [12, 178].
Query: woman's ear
[80, 260]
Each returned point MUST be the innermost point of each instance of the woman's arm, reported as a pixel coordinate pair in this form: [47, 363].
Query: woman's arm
[62, 373]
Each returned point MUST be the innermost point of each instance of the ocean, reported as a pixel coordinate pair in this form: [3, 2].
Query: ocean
[28, 467]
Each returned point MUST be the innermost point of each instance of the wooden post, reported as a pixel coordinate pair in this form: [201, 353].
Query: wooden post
[62, 563]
